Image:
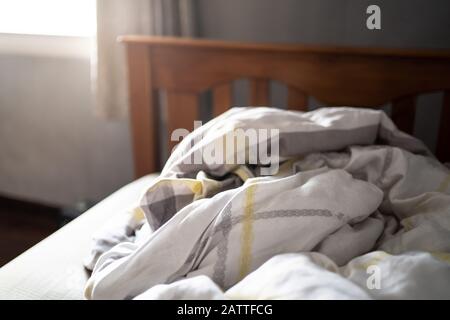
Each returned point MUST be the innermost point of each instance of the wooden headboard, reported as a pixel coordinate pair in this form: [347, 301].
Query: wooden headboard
[183, 68]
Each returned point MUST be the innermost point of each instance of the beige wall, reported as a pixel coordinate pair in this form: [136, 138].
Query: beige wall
[52, 147]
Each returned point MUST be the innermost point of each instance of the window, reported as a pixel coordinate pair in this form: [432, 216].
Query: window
[48, 17]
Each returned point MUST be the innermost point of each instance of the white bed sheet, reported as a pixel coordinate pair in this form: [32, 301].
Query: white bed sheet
[53, 269]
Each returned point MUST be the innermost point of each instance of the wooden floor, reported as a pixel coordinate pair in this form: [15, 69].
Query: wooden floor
[22, 225]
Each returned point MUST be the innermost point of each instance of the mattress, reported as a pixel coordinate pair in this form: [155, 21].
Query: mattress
[53, 269]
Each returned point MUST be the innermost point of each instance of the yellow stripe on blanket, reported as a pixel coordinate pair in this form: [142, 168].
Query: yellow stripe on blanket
[138, 214]
[444, 185]
[443, 256]
[247, 232]
[243, 172]
[374, 258]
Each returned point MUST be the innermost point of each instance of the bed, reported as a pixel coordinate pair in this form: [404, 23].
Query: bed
[167, 72]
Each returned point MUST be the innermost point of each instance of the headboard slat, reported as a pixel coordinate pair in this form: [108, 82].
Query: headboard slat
[443, 146]
[222, 97]
[259, 92]
[182, 110]
[297, 100]
[404, 113]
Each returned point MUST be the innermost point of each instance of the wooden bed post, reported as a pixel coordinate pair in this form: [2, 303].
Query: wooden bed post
[143, 112]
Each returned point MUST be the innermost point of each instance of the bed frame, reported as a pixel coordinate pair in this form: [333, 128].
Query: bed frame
[183, 68]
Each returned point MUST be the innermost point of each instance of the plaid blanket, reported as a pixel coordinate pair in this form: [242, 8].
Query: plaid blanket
[342, 182]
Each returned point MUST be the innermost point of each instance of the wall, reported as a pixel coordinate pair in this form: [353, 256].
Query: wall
[405, 23]
[52, 147]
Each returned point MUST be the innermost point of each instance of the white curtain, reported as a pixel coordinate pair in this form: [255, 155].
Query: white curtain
[120, 17]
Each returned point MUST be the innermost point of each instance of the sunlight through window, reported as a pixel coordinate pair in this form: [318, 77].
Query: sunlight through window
[48, 17]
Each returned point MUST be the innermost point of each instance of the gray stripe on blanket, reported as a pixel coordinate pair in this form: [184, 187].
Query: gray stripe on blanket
[158, 213]
[228, 222]
[295, 143]
[225, 226]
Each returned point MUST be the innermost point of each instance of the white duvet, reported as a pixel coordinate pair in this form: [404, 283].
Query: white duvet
[413, 275]
[357, 210]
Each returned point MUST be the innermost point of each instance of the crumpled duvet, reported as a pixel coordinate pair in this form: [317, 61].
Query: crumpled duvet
[356, 209]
